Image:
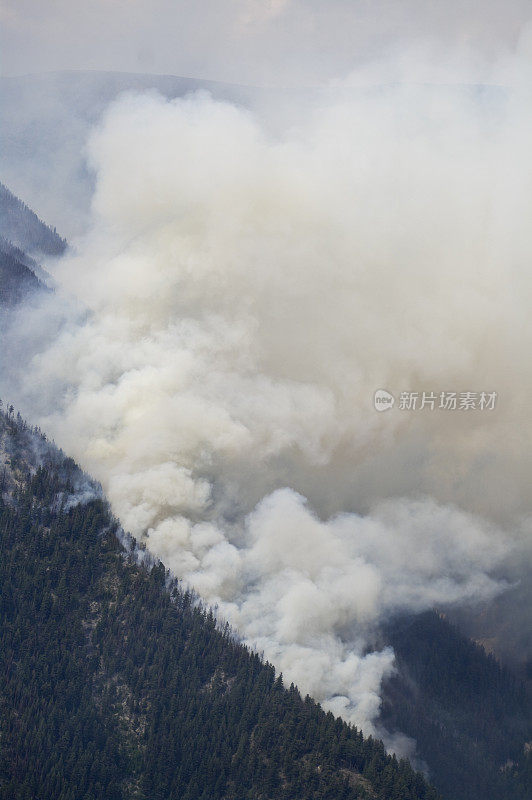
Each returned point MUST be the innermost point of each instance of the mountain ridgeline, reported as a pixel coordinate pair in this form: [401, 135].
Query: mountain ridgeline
[23, 228]
[117, 683]
[23, 239]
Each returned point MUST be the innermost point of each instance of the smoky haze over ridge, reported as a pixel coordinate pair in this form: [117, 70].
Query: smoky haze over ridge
[248, 292]
[283, 44]
[252, 277]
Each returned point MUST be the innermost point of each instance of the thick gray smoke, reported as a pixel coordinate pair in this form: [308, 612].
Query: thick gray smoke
[248, 293]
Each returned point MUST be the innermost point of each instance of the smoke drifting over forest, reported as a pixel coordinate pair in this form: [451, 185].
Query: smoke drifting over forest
[247, 293]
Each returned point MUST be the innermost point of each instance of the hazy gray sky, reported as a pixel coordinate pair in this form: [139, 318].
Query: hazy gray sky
[272, 42]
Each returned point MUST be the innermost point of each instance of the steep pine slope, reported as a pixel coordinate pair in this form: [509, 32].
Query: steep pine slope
[17, 275]
[21, 226]
[471, 717]
[116, 684]
[22, 233]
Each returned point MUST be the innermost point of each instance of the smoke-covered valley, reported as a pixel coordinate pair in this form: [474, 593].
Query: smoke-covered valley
[217, 334]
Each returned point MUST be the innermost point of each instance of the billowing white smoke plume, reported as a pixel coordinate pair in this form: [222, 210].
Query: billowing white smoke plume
[247, 296]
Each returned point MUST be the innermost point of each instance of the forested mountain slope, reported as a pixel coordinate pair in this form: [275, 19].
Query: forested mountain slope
[22, 233]
[115, 683]
[17, 279]
[23, 228]
[470, 717]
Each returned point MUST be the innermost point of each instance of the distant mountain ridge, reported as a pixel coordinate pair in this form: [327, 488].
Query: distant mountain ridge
[45, 121]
